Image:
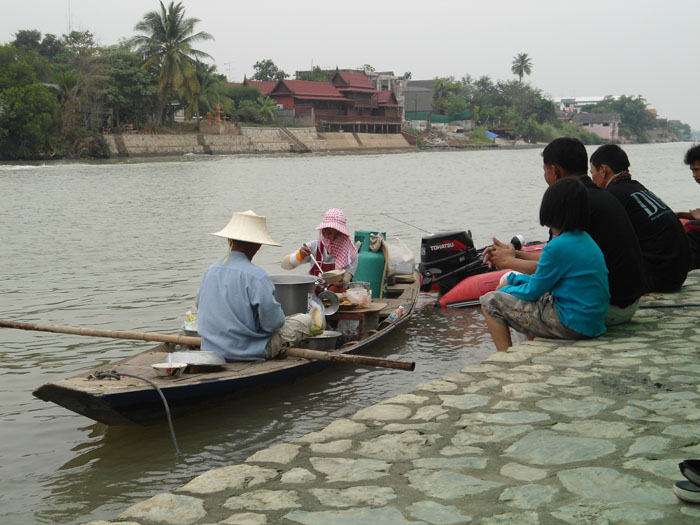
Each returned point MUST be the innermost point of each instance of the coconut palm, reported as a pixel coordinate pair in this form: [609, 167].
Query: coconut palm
[166, 46]
[522, 65]
[267, 109]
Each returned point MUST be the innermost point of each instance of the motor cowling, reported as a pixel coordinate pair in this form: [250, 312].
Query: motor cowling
[447, 258]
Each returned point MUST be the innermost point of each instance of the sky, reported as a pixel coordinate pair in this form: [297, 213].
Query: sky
[578, 48]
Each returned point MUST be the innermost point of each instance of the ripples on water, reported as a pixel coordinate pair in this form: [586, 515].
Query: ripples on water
[123, 244]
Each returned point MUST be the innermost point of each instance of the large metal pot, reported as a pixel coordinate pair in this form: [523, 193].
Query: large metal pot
[292, 292]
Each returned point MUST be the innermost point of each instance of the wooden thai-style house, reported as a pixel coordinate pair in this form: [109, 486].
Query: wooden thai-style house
[348, 102]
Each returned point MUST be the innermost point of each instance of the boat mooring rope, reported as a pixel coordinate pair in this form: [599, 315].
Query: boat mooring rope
[689, 305]
[117, 375]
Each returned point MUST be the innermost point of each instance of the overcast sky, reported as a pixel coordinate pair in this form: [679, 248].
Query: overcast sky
[578, 48]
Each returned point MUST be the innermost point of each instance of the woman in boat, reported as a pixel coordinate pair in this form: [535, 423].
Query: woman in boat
[333, 250]
[568, 295]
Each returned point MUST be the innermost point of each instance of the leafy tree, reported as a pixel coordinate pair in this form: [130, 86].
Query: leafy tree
[130, 92]
[315, 75]
[522, 65]
[50, 46]
[266, 71]
[28, 127]
[166, 45]
[30, 38]
[248, 111]
[444, 90]
[367, 67]
[21, 66]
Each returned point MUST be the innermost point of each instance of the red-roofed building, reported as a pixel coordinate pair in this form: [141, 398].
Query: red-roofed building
[349, 102]
[263, 86]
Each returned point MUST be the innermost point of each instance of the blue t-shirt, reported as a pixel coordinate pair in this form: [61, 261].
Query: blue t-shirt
[573, 269]
[236, 309]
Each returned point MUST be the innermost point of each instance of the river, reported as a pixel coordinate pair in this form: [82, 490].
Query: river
[122, 245]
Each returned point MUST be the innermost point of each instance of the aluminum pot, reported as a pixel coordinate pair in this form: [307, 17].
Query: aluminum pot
[292, 292]
[328, 340]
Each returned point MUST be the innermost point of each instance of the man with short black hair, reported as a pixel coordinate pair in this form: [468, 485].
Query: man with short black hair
[692, 228]
[664, 245]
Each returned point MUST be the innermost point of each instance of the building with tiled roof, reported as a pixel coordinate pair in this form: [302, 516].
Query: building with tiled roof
[265, 87]
[348, 102]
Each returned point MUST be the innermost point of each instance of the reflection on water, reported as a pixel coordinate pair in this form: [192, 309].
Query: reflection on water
[122, 245]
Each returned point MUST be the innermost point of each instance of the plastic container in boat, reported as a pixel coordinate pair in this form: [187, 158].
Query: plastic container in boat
[370, 265]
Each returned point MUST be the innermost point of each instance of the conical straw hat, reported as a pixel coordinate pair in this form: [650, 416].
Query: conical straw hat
[249, 227]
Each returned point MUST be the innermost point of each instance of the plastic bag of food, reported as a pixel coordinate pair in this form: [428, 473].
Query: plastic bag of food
[359, 296]
[317, 312]
[401, 259]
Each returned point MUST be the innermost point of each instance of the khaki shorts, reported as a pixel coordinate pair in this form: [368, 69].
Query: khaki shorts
[537, 318]
[294, 329]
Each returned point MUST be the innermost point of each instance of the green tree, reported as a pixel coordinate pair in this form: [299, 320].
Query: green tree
[166, 45]
[207, 96]
[130, 92]
[28, 127]
[67, 91]
[248, 111]
[21, 66]
[266, 109]
[267, 71]
[522, 65]
[315, 75]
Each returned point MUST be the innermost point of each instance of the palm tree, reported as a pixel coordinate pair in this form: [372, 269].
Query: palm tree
[522, 65]
[166, 45]
[267, 108]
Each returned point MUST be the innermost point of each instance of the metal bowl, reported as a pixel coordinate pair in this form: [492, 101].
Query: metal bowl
[169, 369]
[328, 340]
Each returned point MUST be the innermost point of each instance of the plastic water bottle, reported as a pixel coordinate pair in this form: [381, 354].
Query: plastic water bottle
[396, 314]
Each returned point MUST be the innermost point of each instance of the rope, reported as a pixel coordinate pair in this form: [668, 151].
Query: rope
[691, 305]
[117, 375]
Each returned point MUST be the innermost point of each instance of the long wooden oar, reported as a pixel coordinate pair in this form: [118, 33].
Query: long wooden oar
[197, 341]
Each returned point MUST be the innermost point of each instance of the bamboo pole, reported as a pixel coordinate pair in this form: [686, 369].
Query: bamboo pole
[336, 357]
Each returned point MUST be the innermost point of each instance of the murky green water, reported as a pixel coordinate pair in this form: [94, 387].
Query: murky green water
[122, 245]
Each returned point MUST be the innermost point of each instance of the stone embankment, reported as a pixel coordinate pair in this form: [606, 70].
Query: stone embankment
[551, 431]
[252, 140]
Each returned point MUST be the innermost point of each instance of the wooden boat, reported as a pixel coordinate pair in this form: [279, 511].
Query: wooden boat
[133, 401]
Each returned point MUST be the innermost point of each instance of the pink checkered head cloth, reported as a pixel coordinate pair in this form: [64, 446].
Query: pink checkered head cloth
[341, 247]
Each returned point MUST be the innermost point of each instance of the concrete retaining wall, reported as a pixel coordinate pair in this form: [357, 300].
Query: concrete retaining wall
[250, 140]
[382, 140]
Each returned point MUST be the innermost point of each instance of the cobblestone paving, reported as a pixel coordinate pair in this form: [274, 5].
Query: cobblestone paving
[548, 432]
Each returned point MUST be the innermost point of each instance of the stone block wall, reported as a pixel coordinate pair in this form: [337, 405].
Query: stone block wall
[222, 144]
[138, 145]
[310, 138]
[250, 140]
[340, 141]
[383, 140]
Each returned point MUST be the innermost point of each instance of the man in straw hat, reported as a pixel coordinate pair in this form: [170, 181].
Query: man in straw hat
[238, 316]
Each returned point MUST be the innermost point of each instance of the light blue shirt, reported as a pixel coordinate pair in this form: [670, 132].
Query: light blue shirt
[573, 269]
[236, 309]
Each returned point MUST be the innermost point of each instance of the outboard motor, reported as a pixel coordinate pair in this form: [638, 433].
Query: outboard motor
[447, 258]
